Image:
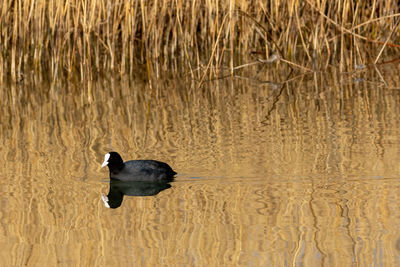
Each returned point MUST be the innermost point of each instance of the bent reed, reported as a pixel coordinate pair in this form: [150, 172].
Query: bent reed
[91, 35]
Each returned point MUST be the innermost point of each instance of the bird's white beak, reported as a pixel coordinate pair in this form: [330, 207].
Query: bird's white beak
[106, 157]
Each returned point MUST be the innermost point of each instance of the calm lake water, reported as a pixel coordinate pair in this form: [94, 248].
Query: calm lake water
[303, 173]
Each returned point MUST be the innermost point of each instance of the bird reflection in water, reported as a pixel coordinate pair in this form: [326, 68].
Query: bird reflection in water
[120, 188]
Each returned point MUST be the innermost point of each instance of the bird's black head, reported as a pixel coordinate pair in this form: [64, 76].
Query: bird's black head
[114, 162]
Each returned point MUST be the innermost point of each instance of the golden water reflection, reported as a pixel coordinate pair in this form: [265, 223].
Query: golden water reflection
[312, 181]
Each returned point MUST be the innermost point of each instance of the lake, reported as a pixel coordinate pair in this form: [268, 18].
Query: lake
[273, 170]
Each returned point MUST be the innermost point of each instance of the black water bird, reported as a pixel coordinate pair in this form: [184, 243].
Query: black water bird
[137, 170]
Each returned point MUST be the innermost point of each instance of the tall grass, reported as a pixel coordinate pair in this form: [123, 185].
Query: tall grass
[89, 36]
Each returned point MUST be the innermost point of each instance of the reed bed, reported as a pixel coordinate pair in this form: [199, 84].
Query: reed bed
[200, 37]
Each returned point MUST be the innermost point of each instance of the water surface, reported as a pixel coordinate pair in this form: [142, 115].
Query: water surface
[307, 175]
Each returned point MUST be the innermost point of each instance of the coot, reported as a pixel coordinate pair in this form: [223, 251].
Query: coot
[137, 170]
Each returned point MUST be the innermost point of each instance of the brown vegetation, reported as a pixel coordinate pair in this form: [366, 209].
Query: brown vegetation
[91, 36]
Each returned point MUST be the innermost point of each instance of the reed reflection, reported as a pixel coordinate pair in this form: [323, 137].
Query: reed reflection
[118, 189]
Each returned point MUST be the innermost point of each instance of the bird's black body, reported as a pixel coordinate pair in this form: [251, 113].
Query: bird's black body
[138, 170]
